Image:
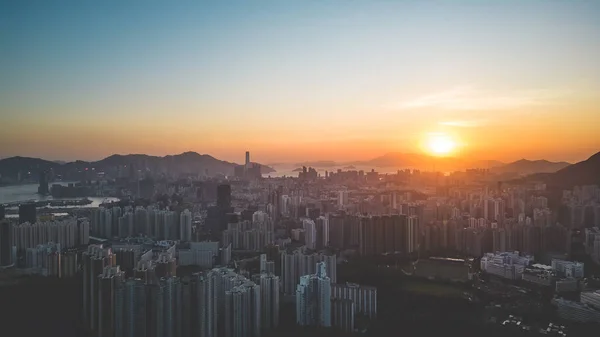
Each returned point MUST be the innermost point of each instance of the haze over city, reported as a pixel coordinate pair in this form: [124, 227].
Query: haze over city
[300, 168]
[296, 81]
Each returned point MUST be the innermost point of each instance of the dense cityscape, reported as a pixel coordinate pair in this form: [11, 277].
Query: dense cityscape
[234, 256]
[276, 168]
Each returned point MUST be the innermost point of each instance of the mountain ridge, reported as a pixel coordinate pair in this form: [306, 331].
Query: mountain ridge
[186, 162]
[417, 160]
[526, 166]
[585, 172]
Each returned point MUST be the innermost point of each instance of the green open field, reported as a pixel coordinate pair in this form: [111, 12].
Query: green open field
[432, 289]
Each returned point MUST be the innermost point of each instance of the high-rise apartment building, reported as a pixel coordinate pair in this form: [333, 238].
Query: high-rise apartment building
[141, 221]
[130, 309]
[68, 233]
[126, 225]
[263, 263]
[313, 299]
[412, 234]
[185, 226]
[342, 198]
[242, 311]
[108, 282]
[94, 260]
[387, 234]
[269, 299]
[295, 264]
[342, 314]
[224, 196]
[322, 232]
[310, 233]
[204, 290]
[364, 297]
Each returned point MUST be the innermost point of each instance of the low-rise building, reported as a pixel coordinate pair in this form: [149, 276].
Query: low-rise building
[575, 311]
[591, 298]
[508, 265]
[566, 285]
[539, 274]
[568, 268]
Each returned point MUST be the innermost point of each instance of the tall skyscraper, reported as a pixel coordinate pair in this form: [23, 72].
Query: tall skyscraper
[43, 187]
[224, 196]
[322, 231]
[2, 212]
[313, 299]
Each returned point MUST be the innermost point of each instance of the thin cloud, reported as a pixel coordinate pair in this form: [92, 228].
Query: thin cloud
[470, 98]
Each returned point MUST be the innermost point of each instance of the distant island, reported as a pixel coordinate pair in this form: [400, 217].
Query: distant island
[299, 169]
[350, 167]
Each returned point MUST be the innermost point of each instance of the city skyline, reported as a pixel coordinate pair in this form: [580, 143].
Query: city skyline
[301, 81]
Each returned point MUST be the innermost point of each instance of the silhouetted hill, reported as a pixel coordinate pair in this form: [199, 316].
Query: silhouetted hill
[425, 162]
[10, 167]
[187, 162]
[586, 172]
[318, 163]
[485, 164]
[397, 159]
[525, 166]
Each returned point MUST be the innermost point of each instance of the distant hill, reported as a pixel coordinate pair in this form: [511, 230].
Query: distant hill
[485, 164]
[187, 162]
[395, 159]
[10, 167]
[525, 166]
[318, 163]
[423, 161]
[586, 172]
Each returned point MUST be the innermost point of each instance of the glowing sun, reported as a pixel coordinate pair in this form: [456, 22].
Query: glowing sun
[440, 144]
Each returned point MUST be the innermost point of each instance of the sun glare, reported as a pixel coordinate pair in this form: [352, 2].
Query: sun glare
[440, 144]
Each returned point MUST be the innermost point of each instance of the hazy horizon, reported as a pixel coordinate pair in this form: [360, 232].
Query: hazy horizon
[301, 81]
[240, 159]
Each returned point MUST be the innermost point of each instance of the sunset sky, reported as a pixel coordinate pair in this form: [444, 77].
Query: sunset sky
[300, 80]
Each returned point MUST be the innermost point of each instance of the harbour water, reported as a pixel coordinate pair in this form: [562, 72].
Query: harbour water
[28, 192]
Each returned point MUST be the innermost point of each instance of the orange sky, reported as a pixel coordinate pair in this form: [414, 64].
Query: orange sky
[297, 81]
